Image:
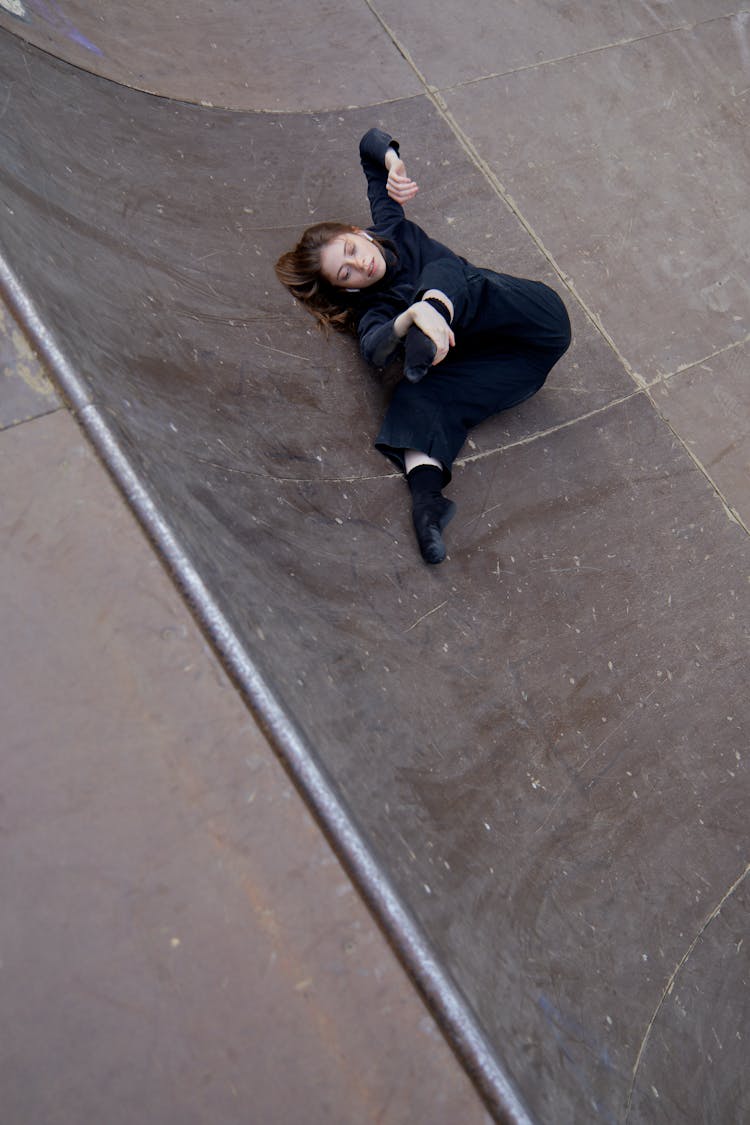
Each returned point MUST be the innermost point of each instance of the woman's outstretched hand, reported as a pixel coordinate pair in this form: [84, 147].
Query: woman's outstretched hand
[399, 187]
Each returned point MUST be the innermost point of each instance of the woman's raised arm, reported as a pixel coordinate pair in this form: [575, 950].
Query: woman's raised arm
[388, 186]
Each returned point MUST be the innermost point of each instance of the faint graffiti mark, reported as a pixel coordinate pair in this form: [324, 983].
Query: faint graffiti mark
[569, 1035]
[51, 13]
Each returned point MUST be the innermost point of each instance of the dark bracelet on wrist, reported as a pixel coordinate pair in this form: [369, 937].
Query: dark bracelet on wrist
[440, 306]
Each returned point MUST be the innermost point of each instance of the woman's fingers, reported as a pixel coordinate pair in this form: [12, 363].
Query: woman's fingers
[399, 186]
[401, 192]
[442, 352]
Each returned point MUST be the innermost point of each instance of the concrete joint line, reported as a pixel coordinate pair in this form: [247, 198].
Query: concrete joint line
[540, 435]
[666, 376]
[613, 45]
[498, 188]
[469, 148]
[731, 513]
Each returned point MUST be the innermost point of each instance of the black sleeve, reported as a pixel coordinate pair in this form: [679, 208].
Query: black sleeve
[385, 212]
[378, 341]
[449, 276]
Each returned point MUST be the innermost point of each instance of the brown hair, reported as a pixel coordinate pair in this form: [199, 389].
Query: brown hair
[299, 271]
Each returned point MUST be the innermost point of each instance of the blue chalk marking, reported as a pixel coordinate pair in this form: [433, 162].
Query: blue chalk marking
[52, 14]
[567, 1029]
[76, 36]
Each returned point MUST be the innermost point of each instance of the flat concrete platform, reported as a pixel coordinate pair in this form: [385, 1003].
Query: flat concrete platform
[531, 759]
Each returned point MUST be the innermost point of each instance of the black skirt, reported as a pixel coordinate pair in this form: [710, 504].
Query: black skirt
[502, 360]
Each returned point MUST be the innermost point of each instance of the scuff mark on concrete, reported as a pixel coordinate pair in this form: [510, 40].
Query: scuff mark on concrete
[22, 364]
[670, 983]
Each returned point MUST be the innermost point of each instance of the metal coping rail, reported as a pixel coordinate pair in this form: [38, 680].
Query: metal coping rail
[441, 994]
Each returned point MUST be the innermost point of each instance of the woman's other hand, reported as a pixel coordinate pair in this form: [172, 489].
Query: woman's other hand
[435, 326]
[398, 186]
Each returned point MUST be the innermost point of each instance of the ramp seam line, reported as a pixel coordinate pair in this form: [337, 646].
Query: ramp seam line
[434, 95]
[665, 376]
[613, 45]
[541, 434]
[362, 478]
[731, 513]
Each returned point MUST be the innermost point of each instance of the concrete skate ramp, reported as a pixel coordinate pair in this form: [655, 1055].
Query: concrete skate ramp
[532, 758]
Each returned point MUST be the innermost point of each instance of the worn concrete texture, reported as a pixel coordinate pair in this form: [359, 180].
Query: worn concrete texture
[25, 390]
[542, 744]
[179, 943]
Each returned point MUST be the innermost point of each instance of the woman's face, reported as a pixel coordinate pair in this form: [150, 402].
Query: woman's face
[352, 261]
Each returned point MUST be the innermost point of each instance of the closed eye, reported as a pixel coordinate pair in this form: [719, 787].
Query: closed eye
[344, 273]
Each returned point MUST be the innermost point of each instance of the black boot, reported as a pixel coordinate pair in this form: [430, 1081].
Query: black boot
[419, 352]
[431, 511]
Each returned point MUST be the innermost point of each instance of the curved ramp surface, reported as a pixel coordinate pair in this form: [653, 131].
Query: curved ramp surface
[532, 757]
[270, 56]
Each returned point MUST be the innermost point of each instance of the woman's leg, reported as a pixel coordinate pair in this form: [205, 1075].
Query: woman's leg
[413, 458]
[431, 512]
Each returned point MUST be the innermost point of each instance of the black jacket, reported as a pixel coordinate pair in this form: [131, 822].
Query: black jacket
[491, 310]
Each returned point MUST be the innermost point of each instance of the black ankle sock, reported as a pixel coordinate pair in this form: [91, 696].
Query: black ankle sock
[426, 479]
[419, 352]
[431, 511]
